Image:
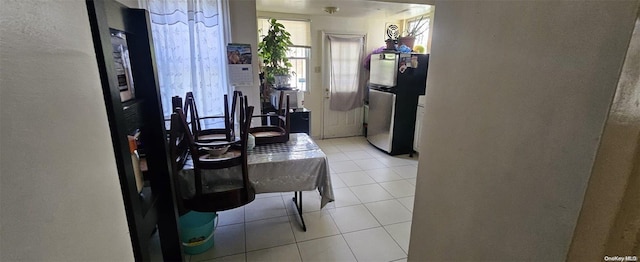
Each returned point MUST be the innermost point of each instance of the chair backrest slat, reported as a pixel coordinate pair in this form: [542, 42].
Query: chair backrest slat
[197, 126]
[216, 200]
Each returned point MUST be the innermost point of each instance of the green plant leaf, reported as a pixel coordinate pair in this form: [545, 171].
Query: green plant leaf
[273, 50]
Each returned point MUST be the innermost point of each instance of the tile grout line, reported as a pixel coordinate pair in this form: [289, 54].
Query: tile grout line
[286, 215]
[330, 214]
[363, 204]
[302, 241]
[385, 230]
[295, 239]
[244, 209]
[394, 240]
[396, 199]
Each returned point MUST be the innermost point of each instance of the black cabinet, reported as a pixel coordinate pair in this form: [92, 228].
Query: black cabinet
[124, 52]
[300, 121]
[300, 118]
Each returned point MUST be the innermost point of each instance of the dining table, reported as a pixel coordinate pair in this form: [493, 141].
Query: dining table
[293, 166]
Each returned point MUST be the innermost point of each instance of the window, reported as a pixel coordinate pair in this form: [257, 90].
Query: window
[299, 54]
[422, 39]
[299, 58]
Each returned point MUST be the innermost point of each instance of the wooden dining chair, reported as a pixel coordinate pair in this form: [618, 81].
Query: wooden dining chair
[198, 126]
[176, 102]
[217, 186]
[277, 132]
[178, 152]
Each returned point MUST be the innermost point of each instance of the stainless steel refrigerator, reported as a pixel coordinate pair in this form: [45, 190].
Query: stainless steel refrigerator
[395, 83]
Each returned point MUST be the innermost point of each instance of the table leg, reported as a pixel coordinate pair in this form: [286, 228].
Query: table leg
[297, 200]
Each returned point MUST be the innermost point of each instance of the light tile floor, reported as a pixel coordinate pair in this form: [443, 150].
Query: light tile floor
[369, 221]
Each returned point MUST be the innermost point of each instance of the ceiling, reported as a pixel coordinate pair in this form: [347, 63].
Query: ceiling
[348, 8]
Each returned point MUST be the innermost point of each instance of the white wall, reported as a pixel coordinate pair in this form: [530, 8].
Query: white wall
[244, 28]
[518, 93]
[130, 3]
[373, 27]
[609, 221]
[60, 196]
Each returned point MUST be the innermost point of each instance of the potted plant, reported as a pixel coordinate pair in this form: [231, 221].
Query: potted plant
[412, 31]
[273, 51]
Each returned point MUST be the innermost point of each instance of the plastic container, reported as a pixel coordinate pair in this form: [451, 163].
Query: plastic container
[251, 142]
[196, 231]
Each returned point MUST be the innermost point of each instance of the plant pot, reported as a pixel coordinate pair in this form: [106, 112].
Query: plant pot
[282, 81]
[391, 45]
[407, 40]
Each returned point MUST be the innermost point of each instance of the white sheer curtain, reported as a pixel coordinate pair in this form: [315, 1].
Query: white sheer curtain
[345, 56]
[188, 38]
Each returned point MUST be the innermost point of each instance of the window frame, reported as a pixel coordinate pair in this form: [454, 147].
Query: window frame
[429, 28]
[308, 58]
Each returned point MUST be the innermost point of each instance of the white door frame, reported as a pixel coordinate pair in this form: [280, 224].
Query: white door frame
[326, 66]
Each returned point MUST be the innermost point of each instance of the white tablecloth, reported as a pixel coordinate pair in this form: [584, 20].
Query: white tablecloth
[298, 165]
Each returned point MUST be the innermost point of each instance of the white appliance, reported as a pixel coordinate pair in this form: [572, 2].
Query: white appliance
[394, 88]
[295, 98]
[384, 69]
[382, 108]
[418, 129]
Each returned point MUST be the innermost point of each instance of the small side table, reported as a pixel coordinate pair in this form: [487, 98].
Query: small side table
[300, 121]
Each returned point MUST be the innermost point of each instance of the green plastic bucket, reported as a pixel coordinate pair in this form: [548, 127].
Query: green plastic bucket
[196, 231]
